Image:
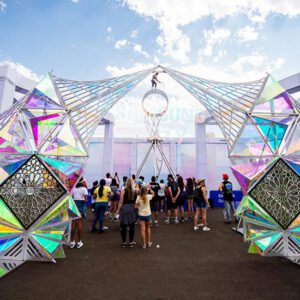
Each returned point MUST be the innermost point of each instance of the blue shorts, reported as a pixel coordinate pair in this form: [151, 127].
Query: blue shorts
[81, 207]
[145, 218]
[201, 204]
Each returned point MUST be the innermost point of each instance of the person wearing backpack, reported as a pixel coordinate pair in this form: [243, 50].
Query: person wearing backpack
[226, 189]
[162, 195]
[172, 203]
[154, 204]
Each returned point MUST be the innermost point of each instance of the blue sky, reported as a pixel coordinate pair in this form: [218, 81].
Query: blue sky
[92, 39]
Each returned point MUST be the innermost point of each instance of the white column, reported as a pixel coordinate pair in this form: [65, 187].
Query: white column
[201, 146]
[7, 88]
[133, 158]
[108, 148]
[173, 157]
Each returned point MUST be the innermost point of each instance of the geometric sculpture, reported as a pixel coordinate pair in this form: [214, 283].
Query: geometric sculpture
[44, 148]
[278, 192]
[43, 151]
[153, 114]
[261, 124]
[30, 191]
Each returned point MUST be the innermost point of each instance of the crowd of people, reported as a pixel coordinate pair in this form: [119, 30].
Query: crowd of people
[135, 201]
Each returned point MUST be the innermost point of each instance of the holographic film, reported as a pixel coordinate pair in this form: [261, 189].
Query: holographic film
[30, 191]
[43, 152]
[260, 122]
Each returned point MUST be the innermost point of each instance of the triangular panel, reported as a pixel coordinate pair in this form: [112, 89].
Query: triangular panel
[64, 212]
[7, 217]
[43, 122]
[250, 144]
[68, 172]
[13, 139]
[43, 96]
[273, 131]
[271, 89]
[64, 141]
[48, 245]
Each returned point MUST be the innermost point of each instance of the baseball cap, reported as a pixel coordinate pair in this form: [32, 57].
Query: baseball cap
[225, 176]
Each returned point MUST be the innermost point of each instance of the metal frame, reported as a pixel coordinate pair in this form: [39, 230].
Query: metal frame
[84, 103]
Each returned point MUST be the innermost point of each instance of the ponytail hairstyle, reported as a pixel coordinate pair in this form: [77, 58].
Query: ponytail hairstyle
[190, 184]
[143, 194]
[101, 187]
[129, 187]
[180, 183]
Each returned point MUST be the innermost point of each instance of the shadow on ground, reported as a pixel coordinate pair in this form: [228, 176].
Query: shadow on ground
[188, 265]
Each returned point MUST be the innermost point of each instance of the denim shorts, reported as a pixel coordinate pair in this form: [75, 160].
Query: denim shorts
[145, 218]
[81, 207]
[201, 204]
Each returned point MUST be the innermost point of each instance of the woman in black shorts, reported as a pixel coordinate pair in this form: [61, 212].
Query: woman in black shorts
[190, 196]
[115, 194]
[181, 197]
[202, 204]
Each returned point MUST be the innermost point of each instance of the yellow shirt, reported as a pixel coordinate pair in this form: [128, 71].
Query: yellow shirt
[104, 197]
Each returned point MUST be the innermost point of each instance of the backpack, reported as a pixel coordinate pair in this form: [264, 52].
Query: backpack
[227, 191]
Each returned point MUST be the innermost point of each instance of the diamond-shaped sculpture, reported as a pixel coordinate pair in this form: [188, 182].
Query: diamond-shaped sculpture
[278, 192]
[260, 122]
[43, 151]
[30, 191]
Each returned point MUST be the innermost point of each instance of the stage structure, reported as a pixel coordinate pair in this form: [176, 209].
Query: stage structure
[43, 150]
[44, 147]
[152, 121]
[260, 122]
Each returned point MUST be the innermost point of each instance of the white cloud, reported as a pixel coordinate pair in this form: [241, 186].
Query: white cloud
[156, 60]
[171, 18]
[117, 71]
[121, 43]
[134, 34]
[75, 1]
[186, 12]
[256, 62]
[138, 48]
[247, 33]
[2, 6]
[21, 69]
[109, 29]
[221, 54]
[212, 38]
[174, 42]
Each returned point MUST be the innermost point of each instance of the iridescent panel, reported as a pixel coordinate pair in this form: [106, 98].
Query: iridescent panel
[30, 191]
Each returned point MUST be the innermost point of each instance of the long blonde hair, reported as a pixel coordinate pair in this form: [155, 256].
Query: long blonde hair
[143, 194]
[130, 188]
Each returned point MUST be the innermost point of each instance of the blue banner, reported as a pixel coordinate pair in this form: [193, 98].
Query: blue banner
[218, 198]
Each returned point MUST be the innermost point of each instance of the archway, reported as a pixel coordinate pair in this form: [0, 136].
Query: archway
[44, 139]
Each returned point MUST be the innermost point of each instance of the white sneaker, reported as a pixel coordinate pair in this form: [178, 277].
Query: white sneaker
[155, 223]
[79, 244]
[105, 228]
[205, 228]
[167, 222]
[176, 222]
[149, 244]
[72, 244]
[196, 228]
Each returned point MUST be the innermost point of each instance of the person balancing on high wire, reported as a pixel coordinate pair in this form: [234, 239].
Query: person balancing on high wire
[154, 79]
